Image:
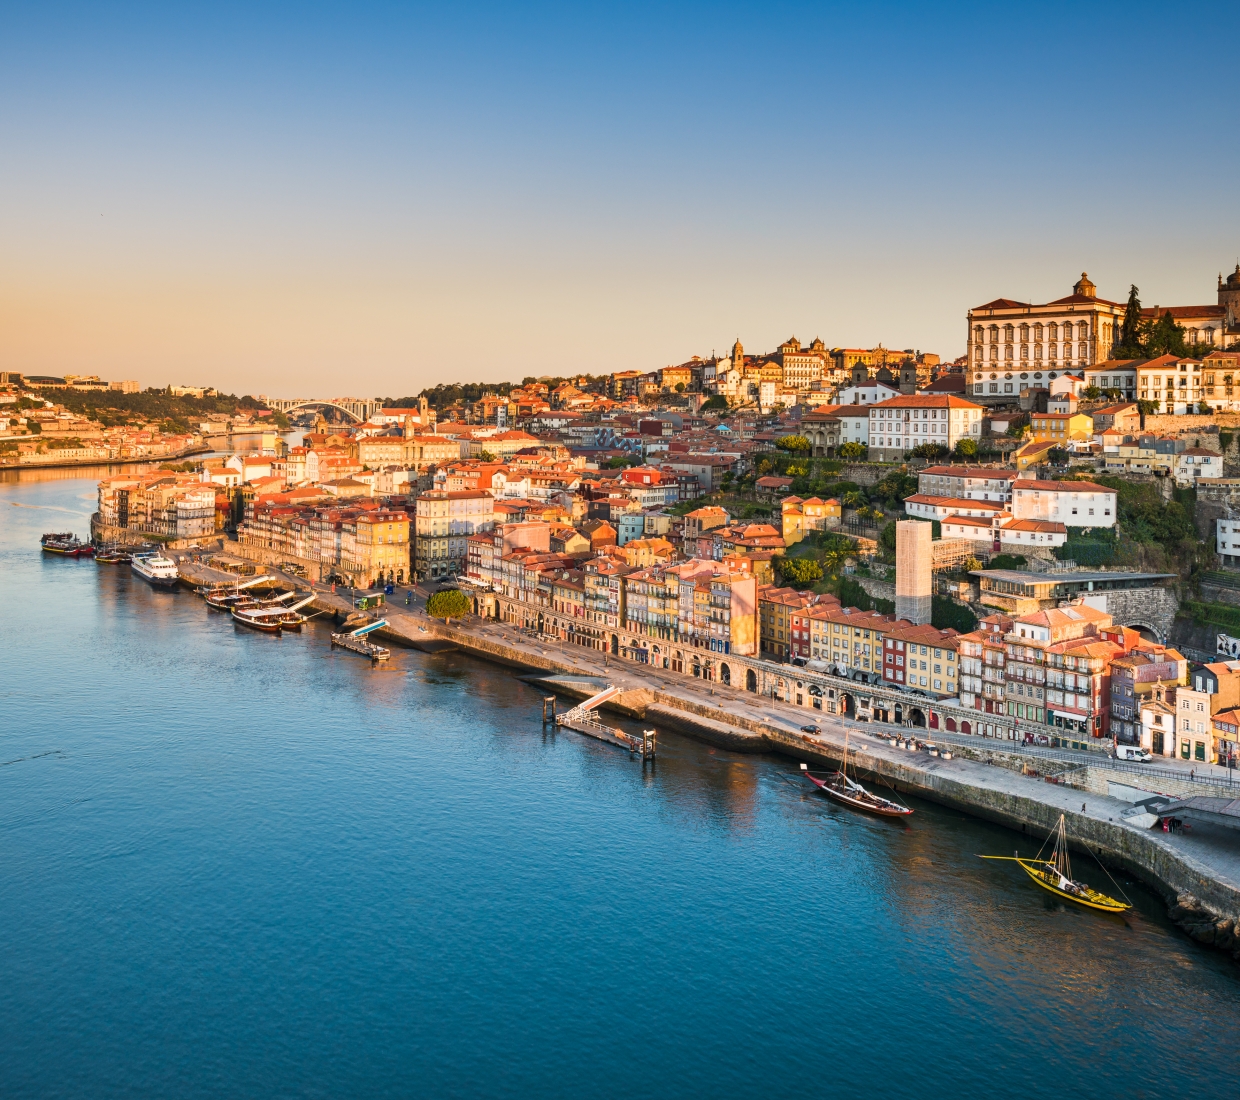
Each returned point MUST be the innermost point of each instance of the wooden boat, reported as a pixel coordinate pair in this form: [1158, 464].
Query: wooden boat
[839, 787]
[111, 557]
[1055, 874]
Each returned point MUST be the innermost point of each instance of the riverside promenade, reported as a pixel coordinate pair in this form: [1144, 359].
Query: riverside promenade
[1022, 787]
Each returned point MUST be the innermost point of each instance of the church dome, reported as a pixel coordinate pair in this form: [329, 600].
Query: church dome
[1233, 280]
[1084, 287]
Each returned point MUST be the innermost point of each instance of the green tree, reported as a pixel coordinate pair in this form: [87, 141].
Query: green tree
[799, 571]
[797, 444]
[1017, 431]
[448, 604]
[1093, 393]
[1147, 408]
[887, 540]
[1132, 332]
[1165, 337]
[854, 451]
[718, 403]
[854, 499]
[1203, 407]
[1006, 561]
[931, 451]
[1057, 456]
[966, 448]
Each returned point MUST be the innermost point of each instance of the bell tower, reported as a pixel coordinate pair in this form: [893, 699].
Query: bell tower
[1229, 298]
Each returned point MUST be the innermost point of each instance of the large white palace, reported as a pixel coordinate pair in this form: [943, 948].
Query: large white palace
[1019, 345]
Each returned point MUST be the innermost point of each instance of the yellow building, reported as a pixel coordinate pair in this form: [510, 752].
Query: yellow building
[1060, 427]
[380, 548]
[801, 517]
[1031, 454]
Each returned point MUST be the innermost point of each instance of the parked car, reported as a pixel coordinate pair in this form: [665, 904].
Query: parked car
[811, 729]
[1132, 752]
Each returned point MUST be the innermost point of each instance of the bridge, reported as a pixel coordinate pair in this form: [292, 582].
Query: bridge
[359, 408]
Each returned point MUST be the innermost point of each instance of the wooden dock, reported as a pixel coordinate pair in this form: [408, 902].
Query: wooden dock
[360, 645]
[583, 719]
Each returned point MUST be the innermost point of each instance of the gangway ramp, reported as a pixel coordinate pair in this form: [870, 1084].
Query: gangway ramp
[583, 719]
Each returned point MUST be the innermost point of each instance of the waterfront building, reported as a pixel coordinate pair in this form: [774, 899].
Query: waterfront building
[444, 521]
[849, 639]
[1135, 678]
[1072, 503]
[923, 657]
[777, 607]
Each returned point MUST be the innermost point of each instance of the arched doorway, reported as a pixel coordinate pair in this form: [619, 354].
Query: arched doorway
[725, 675]
[697, 667]
[615, 646]
[751, 680]
[848, 705]
[965, 727]
[916, 716]
[951, 725]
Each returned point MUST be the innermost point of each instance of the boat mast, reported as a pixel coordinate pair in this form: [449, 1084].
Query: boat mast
[1062, 864]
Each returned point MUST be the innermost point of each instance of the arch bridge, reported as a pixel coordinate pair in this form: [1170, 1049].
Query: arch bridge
[358, 408]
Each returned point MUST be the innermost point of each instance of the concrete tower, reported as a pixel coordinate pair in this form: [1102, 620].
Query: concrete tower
[914, 572]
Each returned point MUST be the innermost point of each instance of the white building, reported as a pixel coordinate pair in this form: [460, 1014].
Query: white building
[970, 482]
[1072, 503]
[1018, 533]
[1227, 540]
[905, 422]
[1114, 374]
[866, 393]
[1196, 462]
[854, 424]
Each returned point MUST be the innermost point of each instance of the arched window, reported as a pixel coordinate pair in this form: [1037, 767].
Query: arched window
[1024, 332]
[1007, 333]
[1052, 331]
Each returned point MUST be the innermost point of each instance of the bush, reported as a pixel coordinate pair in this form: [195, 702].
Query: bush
[450, 603]
[947, 614]
[1007, 561]
[801, 572]
[854, 451]
[797, 444]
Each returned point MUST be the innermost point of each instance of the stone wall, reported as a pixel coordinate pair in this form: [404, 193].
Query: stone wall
[1155, 608]
[877, 589]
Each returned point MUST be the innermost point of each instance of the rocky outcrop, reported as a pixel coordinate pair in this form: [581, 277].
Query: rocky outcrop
[1204, 926]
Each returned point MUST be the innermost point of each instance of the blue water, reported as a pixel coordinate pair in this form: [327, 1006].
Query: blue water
[237, 865]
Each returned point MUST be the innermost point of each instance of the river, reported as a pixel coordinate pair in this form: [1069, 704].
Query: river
[241, 865]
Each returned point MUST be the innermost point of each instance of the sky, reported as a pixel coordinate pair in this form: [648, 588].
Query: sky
[366, 199]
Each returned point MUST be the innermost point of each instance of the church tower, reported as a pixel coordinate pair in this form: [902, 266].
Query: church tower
[738, 355]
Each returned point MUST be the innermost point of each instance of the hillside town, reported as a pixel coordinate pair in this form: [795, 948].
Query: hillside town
[1055, 492]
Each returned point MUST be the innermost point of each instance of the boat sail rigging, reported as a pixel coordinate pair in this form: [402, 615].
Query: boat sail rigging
[1055, 874]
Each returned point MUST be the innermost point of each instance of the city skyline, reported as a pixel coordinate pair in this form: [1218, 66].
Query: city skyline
[418, 197]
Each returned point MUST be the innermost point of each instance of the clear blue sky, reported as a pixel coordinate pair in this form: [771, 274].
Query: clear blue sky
[368, 198]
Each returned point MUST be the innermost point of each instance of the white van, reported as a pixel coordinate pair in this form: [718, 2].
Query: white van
[1133, 752]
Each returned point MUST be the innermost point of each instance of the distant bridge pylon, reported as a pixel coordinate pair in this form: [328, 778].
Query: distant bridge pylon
[359, 408]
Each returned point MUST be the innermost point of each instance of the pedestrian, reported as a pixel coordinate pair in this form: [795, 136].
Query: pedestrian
[1082, 807]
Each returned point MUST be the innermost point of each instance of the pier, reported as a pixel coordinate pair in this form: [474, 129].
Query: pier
[583, 719]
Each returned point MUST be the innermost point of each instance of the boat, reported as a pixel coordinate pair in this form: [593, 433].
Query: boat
[66, 543]
[110, 556]
[155, 569]
[271, 616]
[1055, 874]
[840, 787]
[257, 618]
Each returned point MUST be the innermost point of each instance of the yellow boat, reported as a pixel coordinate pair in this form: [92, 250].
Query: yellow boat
[1055, 875]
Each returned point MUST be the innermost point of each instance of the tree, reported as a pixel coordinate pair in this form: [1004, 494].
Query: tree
[930, 450]
[1203, 407]
[966, 448]
[718, 403]
[1057, 456]
[486, 456]
[1093, 393]
[853, 499]
[797, 444]
[948, 614]
[1132, 332]
[1165, 337]
[799, 571]
[680, 387]
[1017, 431]
[1147, 408]
[887, 540]
[448, 604]
[854, 451]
